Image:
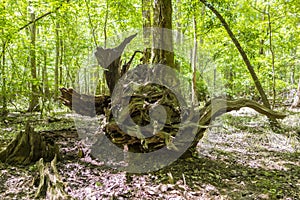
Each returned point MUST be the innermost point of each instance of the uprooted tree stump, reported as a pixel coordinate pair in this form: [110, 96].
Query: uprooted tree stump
[152, 95]
[149, 96]
[28, 147]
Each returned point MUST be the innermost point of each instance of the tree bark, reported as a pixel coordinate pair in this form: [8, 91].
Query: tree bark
[162, 35]
[84, 104]
[140, 104]
[146, 7]
[4, 110]
[45, 80]
[110, 59]
[34, 101]
[57, 55]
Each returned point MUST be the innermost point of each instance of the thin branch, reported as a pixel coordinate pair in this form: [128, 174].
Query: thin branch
[29, 23]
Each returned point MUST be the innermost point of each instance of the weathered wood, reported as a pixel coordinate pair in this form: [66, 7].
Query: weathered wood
[219, 106]
[150, 95]
[50, 184]
[84, 104]
[110, 59]
[28, 147]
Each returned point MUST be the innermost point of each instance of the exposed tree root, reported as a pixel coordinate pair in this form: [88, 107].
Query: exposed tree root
[139, 111]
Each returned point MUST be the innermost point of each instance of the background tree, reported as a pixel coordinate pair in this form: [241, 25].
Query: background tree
[34, 100]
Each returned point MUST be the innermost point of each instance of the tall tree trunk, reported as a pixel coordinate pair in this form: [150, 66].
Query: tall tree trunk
[273, 58]
[57, 54]
[163, 37]
[262, 41]
[3, 111]
[194, 61]
[45, 77]
[61, 43]
[273, 121]
[146, 9]
[103, 80]
[3, 75]
[178, 20]
[34, 100]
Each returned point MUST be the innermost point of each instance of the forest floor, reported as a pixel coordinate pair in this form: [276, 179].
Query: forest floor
[240, 157]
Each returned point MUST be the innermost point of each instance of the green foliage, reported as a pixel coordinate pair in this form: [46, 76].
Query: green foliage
[77, 35]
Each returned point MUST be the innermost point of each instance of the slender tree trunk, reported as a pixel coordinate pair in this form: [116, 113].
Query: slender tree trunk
[45, 77]
[242, 53]
[61, 61]
[273, 58]
[194, 61]
[34, 101]
[262, 41]
[178, 24]
[103, 80]
[3, 111]
[3, 75]
[146, 9]
[57, 54]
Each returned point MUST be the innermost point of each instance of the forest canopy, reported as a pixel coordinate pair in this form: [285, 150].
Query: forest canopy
[44, 44]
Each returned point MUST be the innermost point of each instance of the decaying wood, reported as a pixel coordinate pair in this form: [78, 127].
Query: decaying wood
[145, 98]
[28, 147]
[87, 105]
[50, 183]
[110, 59]
[151, 95]
[219, 106]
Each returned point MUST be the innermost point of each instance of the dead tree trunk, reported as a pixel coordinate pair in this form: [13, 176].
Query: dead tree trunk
[84, 104]
[110, 59]
[151, 95]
